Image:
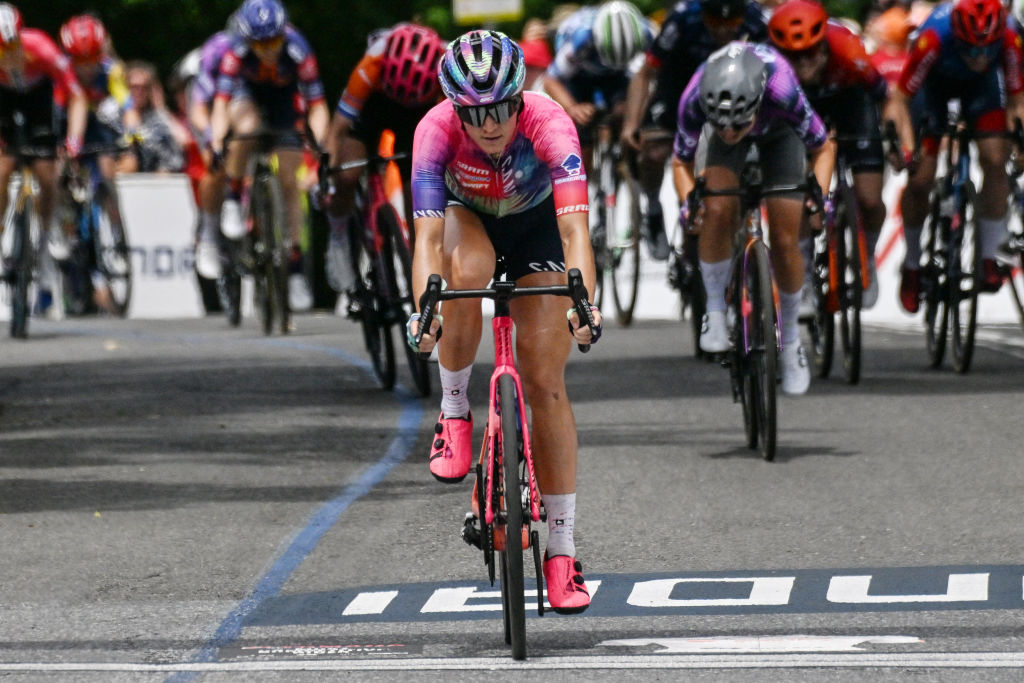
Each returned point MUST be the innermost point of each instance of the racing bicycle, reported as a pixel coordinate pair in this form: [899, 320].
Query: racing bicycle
[100, 260]
[382, 259]
[752, 303]
[505, 479]
[614, 236]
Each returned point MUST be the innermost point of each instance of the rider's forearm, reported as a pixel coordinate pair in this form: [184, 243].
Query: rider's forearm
[319, 120]
[78, 113]
[219, 123]
[428, 254]
[575, 233]
[637, 96]
[897, 110]
[558, 92]
[682, 177]
[823, 162]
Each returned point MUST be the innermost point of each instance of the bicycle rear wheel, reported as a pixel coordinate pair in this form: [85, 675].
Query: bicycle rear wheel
[821, 328]
[965, 258]
[849, 246]
[622, 233]
[113, 255]
[762, 357]
[20, 278]
[376, 310]
[513, 479]
[402, 304]
[694, 298]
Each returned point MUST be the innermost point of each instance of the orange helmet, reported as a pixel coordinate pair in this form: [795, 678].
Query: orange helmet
[797, 25]
[978, 22]
[891, 27]
[83, 37]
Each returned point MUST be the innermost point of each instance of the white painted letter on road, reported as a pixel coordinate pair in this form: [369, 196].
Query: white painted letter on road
[764, 590]
[960, 588]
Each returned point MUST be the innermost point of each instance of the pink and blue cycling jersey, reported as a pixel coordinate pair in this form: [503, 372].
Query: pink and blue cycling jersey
[784, 103]
[543, 158]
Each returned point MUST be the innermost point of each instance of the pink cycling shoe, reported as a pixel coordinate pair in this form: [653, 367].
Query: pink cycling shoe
[452, 450]
[567, 592]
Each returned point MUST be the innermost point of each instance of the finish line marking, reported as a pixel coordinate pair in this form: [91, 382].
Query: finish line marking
[926, 660]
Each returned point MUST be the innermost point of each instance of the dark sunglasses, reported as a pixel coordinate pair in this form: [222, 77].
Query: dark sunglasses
[499, 111]
[734, 126]
[793, 56]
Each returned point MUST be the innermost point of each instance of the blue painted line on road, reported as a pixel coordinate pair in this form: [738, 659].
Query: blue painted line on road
[306, 540]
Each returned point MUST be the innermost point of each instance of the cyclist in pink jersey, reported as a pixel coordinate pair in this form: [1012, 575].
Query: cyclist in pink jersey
[32, 68]
[498, 173]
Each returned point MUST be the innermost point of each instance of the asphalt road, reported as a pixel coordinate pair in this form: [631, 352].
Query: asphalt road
[183, 501]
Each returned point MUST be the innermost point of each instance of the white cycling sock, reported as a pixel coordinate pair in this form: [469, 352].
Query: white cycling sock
[912, 238]
[561, 510]
[454, 400]
[716, 277]
[209, 226]
[991, 231]
[789, 302]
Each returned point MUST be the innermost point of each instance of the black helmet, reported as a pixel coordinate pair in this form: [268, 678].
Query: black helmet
[724, 9]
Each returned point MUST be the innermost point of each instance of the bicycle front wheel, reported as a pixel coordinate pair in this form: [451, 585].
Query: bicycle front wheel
[850, 247]
[622, 235]
[22, 252]
[401, 295]
[762, 356]
[513, 480]
[270, 254]
[965, 258]
[113, 254]
[934, 282]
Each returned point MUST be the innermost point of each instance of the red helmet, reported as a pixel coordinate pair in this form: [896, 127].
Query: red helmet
[84, 37]
[978, 22]
[798, 25]
[409, 68]
[10, 23]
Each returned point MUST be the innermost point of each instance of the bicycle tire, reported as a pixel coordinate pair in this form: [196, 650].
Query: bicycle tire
[623, 243]
[270, 272]
[21, 277]
[512, 480]
[113, 253]
[850, 245]
[402, 296]
[377, 325]
[599, 230]
[963, 290]
[821, 327]
[762, 362]
[933, 284]
[692, 292]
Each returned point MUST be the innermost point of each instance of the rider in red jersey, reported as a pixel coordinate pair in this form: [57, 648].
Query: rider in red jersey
[32, 67]
[498, 173]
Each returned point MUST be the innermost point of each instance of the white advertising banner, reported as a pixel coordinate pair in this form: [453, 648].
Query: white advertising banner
[486, 11]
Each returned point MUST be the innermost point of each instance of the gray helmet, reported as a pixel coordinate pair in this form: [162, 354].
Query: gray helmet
[732, 85]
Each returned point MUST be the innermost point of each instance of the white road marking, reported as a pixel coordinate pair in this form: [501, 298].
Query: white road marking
[759, 644]
[370, 603]
[927, 660]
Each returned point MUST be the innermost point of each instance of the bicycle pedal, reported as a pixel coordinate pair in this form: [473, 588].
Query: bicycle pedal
[471, 530]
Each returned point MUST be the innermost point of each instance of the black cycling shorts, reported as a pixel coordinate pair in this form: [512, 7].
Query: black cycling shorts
[528, 242]
[858, 124]
[380, 113]
[37, 106]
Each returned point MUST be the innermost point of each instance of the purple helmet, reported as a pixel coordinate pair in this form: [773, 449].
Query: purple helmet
[260, 19]
[481, 67]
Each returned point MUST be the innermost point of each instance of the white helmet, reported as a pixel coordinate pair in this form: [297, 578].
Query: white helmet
[620, 32]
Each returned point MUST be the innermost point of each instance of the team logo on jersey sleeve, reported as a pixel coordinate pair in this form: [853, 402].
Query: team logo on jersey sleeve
[572, 164]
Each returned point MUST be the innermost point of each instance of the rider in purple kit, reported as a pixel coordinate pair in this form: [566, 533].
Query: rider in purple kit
[747, 93]
[498, 173]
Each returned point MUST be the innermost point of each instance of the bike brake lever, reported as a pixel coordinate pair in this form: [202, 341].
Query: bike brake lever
[578, 292]
[428, 302]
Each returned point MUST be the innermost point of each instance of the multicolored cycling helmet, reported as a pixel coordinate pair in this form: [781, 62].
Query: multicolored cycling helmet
[978, 22]
[481, 67]
[409, 68]
[723, 9]
[84, 37]
[798, 25]
[618, 33]
[10, 24]
[732, 85]
[261, 19]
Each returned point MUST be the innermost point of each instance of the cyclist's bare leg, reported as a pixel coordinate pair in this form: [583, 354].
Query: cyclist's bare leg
[784, 218]
[245, 120]
[46, 175]
[468, 264]
[914, 206]
[289, 161]
[655, 148]
[7, 165]
[867, 187]
[719, 216]
[542, 347]
[993, 154]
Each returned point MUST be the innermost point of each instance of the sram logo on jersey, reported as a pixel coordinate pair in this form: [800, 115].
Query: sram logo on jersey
[572, 164]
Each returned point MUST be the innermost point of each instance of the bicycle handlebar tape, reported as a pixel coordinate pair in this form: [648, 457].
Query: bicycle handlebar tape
[428, 303]
[580, 300]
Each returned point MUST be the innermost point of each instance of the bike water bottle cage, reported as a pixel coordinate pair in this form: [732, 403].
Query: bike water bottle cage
[499, 111]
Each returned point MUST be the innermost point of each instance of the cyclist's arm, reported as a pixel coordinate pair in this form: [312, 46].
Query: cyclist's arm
[897, 110]
[219, 123]
[78, 113]
[637, 97]
[823, 163]
[428, 258]
[319, 121]
[575, 232]
[682, 177]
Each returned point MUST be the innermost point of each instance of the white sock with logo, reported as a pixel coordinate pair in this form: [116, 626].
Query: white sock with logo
[789, 302]
[454, 400]
[716, 278]
[561, 510]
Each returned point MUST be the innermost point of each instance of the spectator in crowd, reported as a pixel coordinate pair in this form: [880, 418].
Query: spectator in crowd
[536, 51]
[159, 138]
